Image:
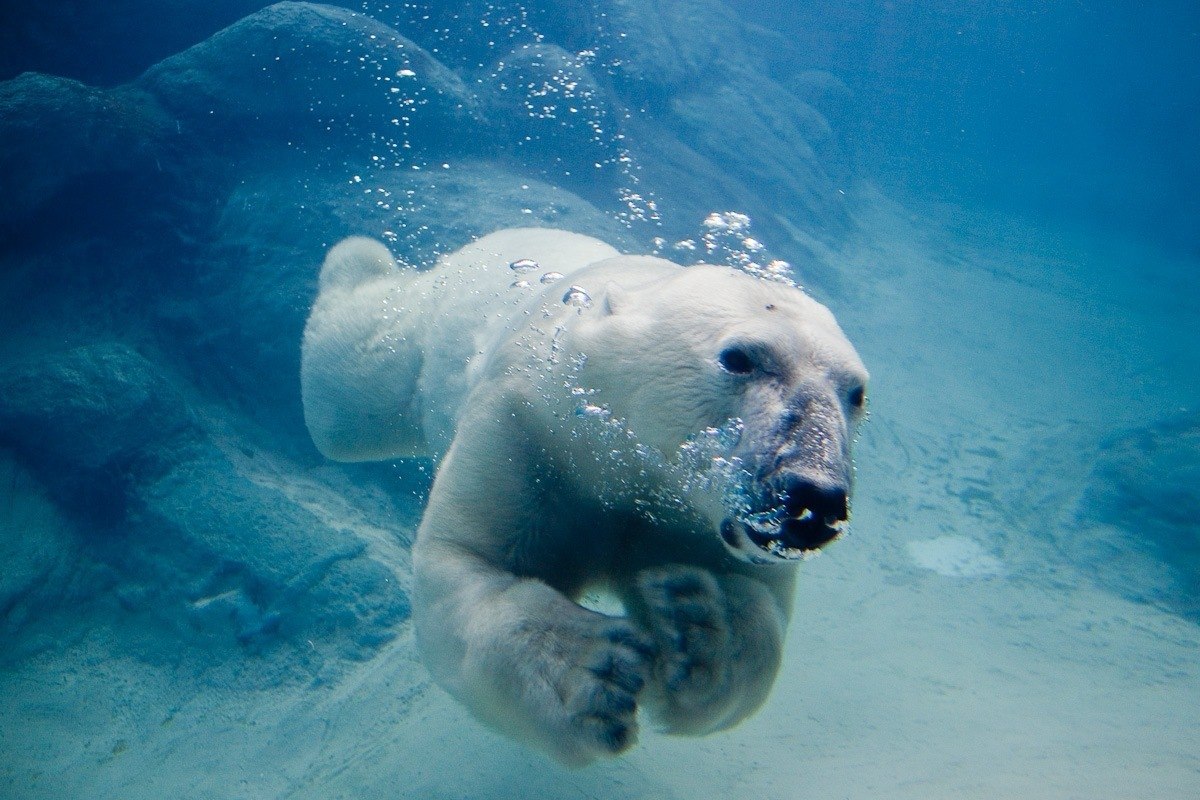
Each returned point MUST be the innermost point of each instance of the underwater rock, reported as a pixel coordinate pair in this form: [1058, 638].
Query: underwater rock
[41, 566]
[108, 43]
[322, 81]
[90, 410]
[832, 118]
[467, 35]
[438, 210]
[1136, 521]
[244, 549]
[55, 129]
[301, 69]
[179, 517]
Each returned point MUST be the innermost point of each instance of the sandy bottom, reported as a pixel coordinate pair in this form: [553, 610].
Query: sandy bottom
[946, 649]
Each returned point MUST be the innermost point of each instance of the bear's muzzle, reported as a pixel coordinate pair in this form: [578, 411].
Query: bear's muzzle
[799, 500]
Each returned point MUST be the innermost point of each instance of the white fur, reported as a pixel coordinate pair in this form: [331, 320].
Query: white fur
[533, 505]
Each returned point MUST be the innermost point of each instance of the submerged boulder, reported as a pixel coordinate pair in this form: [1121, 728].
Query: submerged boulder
[1136, 521]
[107, 43]
[297, 70]
[828, 95]
[206, 533]
[53, 130]
[42, 570]
[238, 546]
[90, 415]
[791, 165]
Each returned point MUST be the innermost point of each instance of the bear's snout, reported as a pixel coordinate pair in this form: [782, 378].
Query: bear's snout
[829, 503]
[816, 512]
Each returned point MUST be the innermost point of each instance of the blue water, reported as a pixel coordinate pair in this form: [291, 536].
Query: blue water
[1072, 112]
[997, 201]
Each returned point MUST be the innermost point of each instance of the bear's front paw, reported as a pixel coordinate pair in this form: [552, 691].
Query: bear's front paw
[687, 613]
[599, 693]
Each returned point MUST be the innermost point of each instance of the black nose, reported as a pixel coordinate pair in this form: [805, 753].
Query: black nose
[828, 503]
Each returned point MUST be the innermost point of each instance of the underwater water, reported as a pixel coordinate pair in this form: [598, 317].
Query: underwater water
[997, 201]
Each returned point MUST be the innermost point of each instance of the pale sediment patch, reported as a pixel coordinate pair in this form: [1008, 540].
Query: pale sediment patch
[954, 557]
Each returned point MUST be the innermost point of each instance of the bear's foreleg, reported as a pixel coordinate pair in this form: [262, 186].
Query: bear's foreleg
[515, 650]
[526, 659]
[720, 641]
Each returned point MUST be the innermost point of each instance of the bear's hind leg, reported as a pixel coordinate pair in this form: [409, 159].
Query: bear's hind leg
[360, 360]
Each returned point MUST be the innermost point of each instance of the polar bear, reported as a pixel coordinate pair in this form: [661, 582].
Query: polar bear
[674, 437]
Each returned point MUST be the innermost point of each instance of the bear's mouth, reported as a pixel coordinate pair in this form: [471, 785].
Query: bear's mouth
[777, 535]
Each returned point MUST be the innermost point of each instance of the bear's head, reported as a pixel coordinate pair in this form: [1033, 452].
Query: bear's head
[698, 347]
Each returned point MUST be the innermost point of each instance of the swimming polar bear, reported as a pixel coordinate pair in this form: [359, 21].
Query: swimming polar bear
[676, 437]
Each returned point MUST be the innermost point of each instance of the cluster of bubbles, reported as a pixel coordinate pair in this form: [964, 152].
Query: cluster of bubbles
[560, 96]
[575, 296]
[523, 266]
[636, 208]
[563, 97]
[701, 471]
[726, 239]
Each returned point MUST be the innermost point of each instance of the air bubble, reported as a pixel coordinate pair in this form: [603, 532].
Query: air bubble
[520, 285]
[550, 277]
[523, 265]
[576, 296]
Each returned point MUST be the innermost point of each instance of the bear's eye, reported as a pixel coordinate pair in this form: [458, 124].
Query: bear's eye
[735, 361]
[858, 396]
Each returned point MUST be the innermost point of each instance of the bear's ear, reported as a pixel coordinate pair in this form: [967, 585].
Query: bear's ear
[614, 299]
